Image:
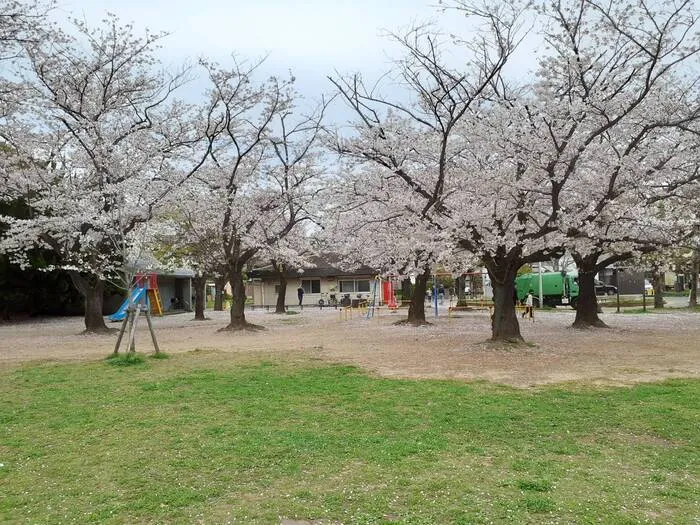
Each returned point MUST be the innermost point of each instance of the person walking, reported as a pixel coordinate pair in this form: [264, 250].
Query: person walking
[300, 295]
[529, 312]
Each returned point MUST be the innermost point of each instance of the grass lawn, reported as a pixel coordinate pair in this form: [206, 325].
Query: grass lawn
[214, 438]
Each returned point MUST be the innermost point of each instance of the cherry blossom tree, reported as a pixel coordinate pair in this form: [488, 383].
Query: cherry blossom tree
[617, 93]
[99, 137]
[416, 138]
[261, 178]
[505, 206]
[374, 222]
[295, 169]
[186, 237]
[446, 149]
[21, 22]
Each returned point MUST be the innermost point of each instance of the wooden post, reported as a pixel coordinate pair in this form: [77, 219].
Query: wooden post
[121, 332]
[153, 334]
[132, 334]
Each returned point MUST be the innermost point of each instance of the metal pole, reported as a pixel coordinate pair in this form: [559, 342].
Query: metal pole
[435, 297]
[617, 285]
[539, 266]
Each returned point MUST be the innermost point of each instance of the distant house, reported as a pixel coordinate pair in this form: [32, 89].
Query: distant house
[325, 282]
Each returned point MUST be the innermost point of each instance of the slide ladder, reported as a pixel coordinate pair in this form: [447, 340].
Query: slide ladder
[155, 302]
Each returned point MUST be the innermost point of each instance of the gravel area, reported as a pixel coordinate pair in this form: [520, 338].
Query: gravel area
[636, 348]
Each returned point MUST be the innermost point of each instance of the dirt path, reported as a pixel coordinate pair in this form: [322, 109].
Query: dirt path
[637, 347]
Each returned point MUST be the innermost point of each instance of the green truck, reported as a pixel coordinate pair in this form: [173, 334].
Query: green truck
[558, 288]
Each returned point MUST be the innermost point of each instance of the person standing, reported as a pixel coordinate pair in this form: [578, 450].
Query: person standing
[529, 312]
[300, 295]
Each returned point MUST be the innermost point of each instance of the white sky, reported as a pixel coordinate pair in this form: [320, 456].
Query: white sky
[311, 37]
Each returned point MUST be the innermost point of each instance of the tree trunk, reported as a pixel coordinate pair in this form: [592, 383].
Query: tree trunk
[461, 283]
[238, 321]
[200, 285]
[280, 306]
[693, 300]
[504, 322]
[219, 284]
[659, 287]
[587, 305]
[92, 289]
[416, 310]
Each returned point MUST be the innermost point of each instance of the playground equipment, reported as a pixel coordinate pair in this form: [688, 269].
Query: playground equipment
[136, 296]
[144, 297]
[348, 312]
[389, 295]
[373, 304]
[145, 289]
[131, 319]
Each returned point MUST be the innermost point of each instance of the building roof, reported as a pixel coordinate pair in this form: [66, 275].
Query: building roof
[147, 263]
[328, 266]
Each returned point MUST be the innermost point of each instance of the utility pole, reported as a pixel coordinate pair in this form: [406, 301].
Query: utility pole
[539, 267]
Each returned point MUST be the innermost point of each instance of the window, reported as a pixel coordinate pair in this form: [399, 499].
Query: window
[351, 286]
[311, 285]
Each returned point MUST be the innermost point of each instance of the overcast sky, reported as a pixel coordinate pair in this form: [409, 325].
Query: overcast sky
[310, 37]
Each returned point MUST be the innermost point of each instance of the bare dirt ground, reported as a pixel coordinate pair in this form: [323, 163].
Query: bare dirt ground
[636, 348]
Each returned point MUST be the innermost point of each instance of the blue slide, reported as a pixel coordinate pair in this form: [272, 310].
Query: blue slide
[136, 296]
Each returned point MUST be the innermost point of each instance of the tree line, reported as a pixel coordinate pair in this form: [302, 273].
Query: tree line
[448, 160]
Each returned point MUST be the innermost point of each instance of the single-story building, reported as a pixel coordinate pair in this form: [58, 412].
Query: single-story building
[174, 284]
[175, 288]
[323, 284]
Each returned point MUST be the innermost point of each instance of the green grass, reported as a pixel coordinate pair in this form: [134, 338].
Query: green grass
[649, 310]
[684, 293]
[202, 438]
[125, 359]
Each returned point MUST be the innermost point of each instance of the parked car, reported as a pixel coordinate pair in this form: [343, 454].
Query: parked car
[604, 289]
[648, 288]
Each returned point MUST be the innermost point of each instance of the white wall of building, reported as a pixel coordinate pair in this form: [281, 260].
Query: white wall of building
[264, 293]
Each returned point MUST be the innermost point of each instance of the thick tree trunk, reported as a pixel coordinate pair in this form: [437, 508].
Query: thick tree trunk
[587, 304]
[659, 287]
[219, 284]
[238, 302]
[504, 323]
[587, 307]
[461, 283]
[92, 289]
[200, 285]
[238, 321]
[280, 306]
[416, 309]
